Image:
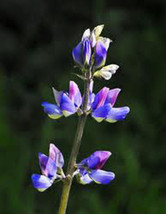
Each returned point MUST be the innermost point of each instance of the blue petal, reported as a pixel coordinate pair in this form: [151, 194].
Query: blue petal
[67, 106]
[101, 113]
[116, 114]
[74, 94]
[84, 179]
[56, 155]
[41, 182]
[51, 169]
[93, 161]
[86, 51]
[101, 176]
[77, 54]
[53, 111]
[100, 54]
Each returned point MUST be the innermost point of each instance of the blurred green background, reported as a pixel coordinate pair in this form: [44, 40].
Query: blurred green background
[36, 40]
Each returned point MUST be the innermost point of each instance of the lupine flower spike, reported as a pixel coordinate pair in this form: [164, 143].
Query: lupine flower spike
[66, 103]
[89, 169]
[51, 169]
[90, 55]
[103, 106]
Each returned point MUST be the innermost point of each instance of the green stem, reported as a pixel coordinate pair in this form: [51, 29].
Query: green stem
[76, 146]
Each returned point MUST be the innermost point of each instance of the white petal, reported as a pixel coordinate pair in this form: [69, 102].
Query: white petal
[98, 29]
[111, 68]
[86, 33]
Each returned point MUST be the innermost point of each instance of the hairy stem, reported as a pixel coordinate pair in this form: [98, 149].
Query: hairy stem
[75, 149]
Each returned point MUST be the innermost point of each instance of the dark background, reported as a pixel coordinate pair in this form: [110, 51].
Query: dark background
[36, 40]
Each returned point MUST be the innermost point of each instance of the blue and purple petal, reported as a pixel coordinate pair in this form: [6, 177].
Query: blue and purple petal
[57, 96]
[41, 182]
[67, 106]
[75, 94]
[103, 157]
[56, 155]
[48, 166]
[116, 114]
[100, 54]
[86, 51]
[53, 111]
[77, 54]
[112, 96]
[100, 98]
[101, 176]
[101, 113]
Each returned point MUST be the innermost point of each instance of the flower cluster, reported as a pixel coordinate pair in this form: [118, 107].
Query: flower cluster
[92, 52]
[51, 169]
[66, 103]
[87, 170]
[101, 105]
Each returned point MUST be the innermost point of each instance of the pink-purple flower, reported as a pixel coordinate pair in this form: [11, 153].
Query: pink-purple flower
[66, 103]
[89, 169]
[103, 108]
[51, 169]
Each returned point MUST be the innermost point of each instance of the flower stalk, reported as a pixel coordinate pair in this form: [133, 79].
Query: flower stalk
[76, 146]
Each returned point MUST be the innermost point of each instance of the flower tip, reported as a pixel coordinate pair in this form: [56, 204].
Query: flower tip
[86, 34]
[108, 153]
[39, 154]
[127, 109]
[98, 29]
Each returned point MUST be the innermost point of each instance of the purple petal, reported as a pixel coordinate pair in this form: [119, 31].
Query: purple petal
[103, 157]
[101, 176]
[100, 98]
[57, 95]
[101, 113]
[116, 114]
[112, 96]
[47, 165]
[77, 54]
[100, 54]
[90, 100]
[95, 161]
[41, 182]
[84, 179]
[56, 155]
[74, 94]
[53, 111]
[43, 159]
[86, 51]
[67, 106]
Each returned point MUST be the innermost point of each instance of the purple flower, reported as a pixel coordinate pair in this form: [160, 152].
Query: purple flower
[82, 52]
[92, 50]
[66, 103]
[89, 169]
[51, 169]
[103, 106]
